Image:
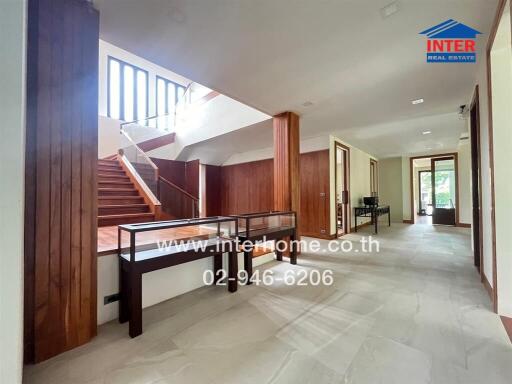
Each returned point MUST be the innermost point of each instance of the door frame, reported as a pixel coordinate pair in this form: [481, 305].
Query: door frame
[347, 219]
[455, 155]
[475, 140]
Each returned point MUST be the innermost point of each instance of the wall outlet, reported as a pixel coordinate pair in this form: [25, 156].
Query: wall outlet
[111, 298]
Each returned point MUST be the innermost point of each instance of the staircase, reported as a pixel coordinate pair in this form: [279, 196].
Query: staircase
[119, 202]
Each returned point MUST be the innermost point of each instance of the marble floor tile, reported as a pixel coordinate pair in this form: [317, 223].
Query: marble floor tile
[414, 312]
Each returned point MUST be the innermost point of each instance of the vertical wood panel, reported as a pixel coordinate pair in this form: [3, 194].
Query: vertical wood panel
[247, 187]
[212, 191]
[60, 232]
[172, 170]
[192, 177]
[286, 162]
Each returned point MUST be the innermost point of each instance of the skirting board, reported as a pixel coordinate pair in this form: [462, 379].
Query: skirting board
[407, 221]
[464, 225]
[487, 286]
[507, 323]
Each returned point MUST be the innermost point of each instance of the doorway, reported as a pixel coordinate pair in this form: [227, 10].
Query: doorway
[424, 212]
[476, 179]
[341, 160]
[434, 199]
[444, 187]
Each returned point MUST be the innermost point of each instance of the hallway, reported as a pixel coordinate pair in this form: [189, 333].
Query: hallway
[415, 312]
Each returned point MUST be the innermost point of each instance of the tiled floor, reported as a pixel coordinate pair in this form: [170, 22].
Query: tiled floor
[415, 312]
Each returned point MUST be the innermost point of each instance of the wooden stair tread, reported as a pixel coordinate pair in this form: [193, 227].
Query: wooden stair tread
[127, 215]
[119, 202]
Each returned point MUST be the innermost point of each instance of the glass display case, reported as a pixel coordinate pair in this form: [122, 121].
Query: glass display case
[275, 226]
[256, 225]
[142, 241]
[148, 247]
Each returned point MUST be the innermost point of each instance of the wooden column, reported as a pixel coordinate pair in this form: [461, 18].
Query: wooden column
[287, 163]
[60, 188]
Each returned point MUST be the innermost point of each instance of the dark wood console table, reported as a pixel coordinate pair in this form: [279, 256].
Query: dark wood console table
[372, 211]
[134, 261]
[266, 226]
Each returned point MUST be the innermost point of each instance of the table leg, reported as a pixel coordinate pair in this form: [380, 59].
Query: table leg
[279, 254]
[124, 291]
[135, 328]
[217, 267]
[389, 217]
[293, 249]
[248, 264]
[233, 271]
[375, 217]
[355, 223]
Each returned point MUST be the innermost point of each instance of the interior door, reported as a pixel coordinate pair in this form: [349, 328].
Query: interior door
[444, 193]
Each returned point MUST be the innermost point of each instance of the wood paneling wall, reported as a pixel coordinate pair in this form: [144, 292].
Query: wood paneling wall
[192, 177]
[61, 187]
[172, 170]
[314, 194]
[247, 187]
[212, 203]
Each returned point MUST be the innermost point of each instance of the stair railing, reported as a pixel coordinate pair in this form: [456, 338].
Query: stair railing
[140, 161]
[174, 201]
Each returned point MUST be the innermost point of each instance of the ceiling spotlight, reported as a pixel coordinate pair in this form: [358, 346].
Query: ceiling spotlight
[307, 104]
[426, 132]
[389, 10]
[417, 101]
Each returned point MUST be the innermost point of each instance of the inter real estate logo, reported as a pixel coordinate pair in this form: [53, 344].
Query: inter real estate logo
[451, 42]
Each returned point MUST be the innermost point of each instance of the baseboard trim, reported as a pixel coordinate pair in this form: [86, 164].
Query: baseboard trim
[318, 236]
[487, 286]
[464, 225]
[507, 323]
[407, 221]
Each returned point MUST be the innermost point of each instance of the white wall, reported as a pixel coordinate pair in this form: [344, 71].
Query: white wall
[390, 186]
[465, 198]
[406, 188]
[359, 179]
[487, 236]
[12, 171]
[157, 286]
[501, 75]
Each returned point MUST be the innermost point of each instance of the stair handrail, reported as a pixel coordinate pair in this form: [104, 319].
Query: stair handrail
[139, 150]
[172, 185]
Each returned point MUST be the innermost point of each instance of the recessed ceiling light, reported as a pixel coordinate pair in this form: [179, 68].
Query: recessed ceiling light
[426, 132]
[417, 101]
[307, 104]
[389, 9]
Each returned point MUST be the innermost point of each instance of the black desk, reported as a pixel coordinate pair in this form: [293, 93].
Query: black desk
[250, 231]
[373, 212]
[134, 262]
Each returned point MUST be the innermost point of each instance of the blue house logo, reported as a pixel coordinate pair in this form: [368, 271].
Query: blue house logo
[451, 42]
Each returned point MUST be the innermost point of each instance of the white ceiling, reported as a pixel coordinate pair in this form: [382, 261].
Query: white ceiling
[358, 69]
